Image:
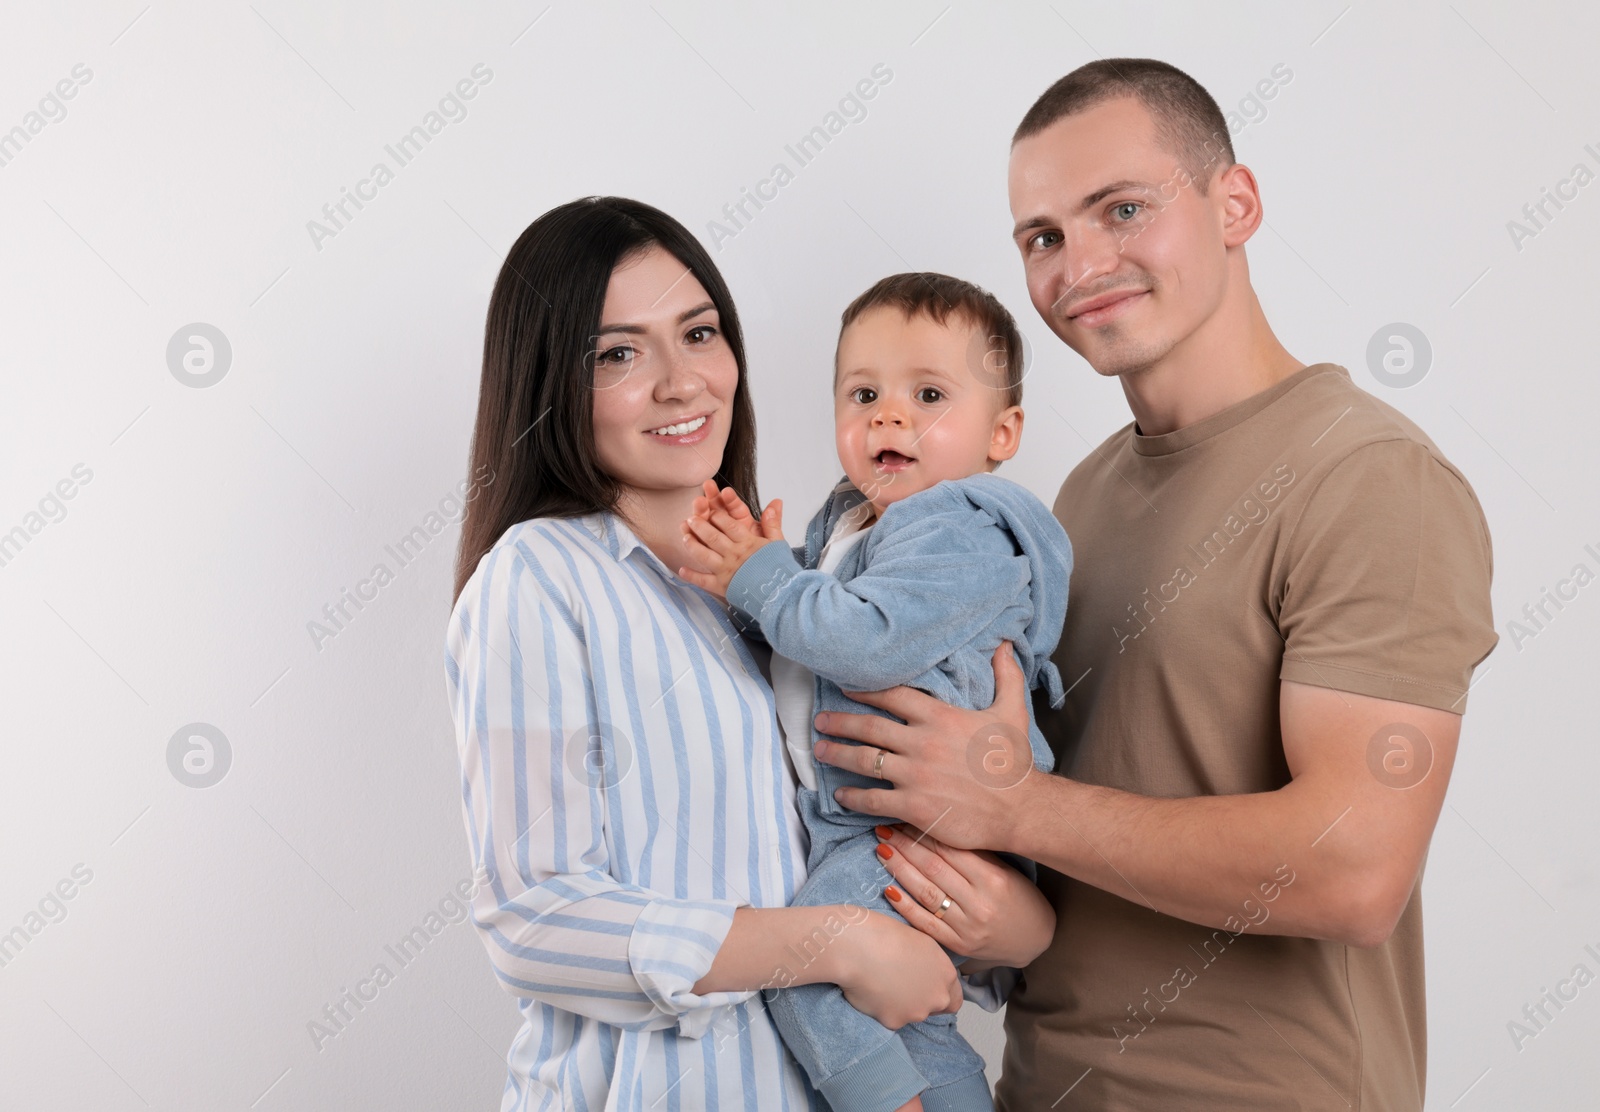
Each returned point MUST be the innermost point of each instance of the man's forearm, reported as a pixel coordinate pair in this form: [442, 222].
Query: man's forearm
[1261, 860]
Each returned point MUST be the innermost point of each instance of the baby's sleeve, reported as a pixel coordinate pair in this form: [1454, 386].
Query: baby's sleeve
[931, 584]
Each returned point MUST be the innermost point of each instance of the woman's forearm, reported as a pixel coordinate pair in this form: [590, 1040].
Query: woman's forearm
[775, 947]
[886, 969]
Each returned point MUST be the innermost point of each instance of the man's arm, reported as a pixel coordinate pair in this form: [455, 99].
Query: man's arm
[1334, 854]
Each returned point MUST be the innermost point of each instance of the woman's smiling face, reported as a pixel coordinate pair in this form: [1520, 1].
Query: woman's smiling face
[664, 377]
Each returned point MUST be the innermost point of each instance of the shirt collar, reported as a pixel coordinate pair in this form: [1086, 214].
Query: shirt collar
[613, 533]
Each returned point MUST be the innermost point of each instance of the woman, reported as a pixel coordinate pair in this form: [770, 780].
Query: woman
[624, 781]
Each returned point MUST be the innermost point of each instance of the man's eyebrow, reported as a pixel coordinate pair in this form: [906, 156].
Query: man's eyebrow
[1087, 203]
[636, 329]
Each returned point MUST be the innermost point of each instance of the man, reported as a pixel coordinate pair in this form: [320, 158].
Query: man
[1281, 591]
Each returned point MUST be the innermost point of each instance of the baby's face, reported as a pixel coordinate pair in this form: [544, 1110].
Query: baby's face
[909, 411]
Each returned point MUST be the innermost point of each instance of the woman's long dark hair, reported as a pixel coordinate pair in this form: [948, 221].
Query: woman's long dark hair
[533, 451]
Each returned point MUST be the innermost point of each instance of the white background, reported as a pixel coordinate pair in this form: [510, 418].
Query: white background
[218, 522]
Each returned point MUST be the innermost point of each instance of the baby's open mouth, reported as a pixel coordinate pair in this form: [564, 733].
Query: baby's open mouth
[891, 458]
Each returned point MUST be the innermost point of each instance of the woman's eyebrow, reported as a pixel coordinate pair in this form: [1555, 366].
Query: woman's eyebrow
[687, 314]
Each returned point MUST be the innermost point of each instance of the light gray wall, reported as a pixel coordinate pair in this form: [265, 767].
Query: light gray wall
[216, 923]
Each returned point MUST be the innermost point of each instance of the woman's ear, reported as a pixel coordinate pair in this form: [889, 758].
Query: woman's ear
[1007, 435]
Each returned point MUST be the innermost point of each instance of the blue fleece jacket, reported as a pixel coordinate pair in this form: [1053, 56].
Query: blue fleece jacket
[923, 600]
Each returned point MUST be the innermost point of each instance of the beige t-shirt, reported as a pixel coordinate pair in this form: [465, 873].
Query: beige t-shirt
[1308, 533]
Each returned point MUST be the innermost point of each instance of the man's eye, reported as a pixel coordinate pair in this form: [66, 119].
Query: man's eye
[864, 395]
[930, 395]
[1038, 241]
[1126, 205]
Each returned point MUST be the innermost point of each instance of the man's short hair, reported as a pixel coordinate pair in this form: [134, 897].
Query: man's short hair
[1187, 119]
[996, 361]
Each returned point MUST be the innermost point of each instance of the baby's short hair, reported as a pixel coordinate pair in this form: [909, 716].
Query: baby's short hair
[997, 361]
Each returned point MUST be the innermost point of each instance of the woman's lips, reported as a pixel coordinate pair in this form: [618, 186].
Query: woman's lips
[694, 436]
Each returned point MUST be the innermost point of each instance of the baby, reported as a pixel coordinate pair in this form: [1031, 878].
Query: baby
[919, 565]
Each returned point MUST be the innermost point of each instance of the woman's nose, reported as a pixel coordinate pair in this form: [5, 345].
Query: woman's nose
[681, 380]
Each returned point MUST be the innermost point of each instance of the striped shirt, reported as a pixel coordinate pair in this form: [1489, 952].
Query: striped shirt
[624, 787]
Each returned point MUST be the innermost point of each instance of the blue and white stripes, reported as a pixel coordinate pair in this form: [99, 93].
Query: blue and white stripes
[625, 788]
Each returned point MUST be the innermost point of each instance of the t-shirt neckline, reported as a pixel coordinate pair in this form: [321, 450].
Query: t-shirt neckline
[1187, 437]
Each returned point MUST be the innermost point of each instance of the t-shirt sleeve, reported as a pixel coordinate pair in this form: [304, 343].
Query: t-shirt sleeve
[1385, 590]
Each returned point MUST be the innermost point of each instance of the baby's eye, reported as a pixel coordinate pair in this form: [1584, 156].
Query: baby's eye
[930, 395]
[863, 395]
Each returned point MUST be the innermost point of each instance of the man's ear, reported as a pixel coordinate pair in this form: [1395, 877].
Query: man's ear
[1007, 435]
[1240, 199]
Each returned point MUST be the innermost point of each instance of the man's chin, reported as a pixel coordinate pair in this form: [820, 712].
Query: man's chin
[1115, 357]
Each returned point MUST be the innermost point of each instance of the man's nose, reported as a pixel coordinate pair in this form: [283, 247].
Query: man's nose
[1086, 255]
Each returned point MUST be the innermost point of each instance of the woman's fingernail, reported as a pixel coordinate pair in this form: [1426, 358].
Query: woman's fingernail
[883, 831]
[893, 893]
[884, 851]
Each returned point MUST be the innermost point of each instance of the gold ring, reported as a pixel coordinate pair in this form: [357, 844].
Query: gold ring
[877, 765]
[944, 906]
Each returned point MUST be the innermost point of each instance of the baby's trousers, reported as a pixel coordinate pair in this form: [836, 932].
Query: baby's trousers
[854, 1061]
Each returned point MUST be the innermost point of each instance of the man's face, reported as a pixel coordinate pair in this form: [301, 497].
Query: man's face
[1124, 256]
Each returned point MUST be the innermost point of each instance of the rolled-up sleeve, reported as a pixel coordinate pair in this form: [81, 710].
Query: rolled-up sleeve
[537, 762]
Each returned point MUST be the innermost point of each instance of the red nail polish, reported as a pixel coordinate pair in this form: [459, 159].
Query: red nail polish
[884, 851]
[883, 831]
[892, 893]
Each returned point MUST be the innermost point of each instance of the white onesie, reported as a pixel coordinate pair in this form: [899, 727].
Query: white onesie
[794, 686]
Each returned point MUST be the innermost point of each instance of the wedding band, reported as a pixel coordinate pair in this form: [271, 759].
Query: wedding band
[944, 906]
[877, 765]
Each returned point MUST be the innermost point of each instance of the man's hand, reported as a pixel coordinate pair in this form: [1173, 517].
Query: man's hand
[959, 774]
[721, 535]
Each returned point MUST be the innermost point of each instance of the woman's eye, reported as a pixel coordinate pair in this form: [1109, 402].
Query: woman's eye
[614, 357]
[930, 395]
[704, 333]
[864, 395]
[1126, 205]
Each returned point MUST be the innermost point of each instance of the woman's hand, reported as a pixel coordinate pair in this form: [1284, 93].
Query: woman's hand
[996, 915]
[893, 973]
